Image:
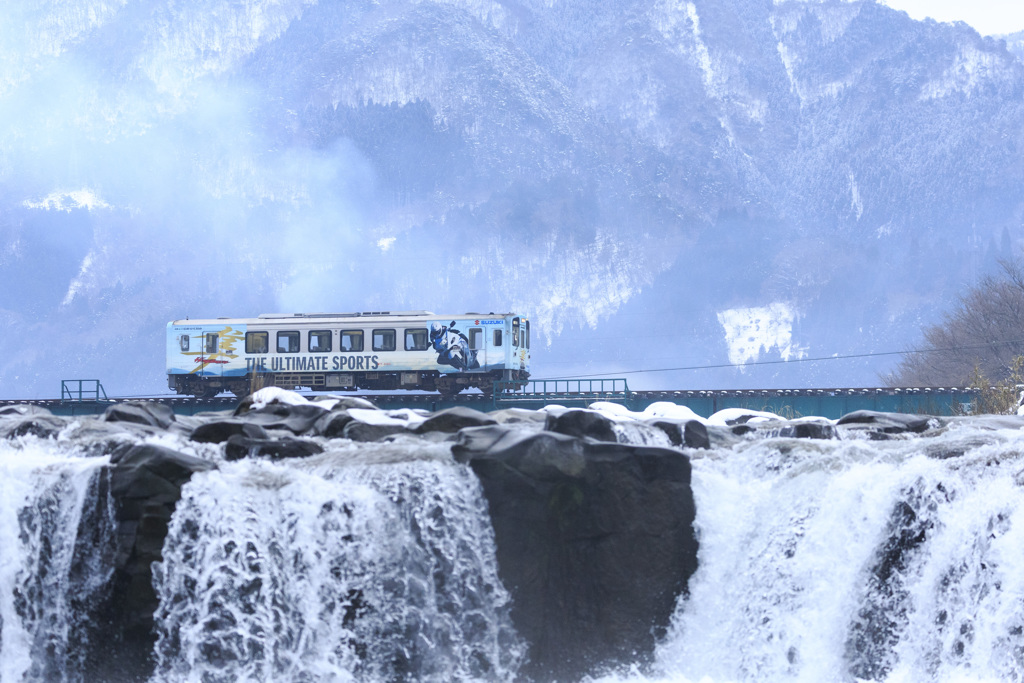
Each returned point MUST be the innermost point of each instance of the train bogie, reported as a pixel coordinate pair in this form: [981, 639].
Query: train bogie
[376, 351]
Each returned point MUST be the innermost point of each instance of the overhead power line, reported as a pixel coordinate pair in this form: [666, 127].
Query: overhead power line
[795, 360]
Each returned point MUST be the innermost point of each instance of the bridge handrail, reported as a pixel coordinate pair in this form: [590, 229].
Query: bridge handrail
[86, 390]
[540, 388]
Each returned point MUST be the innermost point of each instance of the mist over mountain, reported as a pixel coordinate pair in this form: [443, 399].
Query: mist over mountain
[659, 185]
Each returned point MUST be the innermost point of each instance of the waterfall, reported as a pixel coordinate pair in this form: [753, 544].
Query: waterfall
[56, 541]
[833, 560]
[368, 562]
[894, 561]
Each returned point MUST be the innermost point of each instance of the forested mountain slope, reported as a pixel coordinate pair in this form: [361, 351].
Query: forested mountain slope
[709, 181]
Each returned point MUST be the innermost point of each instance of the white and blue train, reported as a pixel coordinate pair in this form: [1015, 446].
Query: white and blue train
[376, 350]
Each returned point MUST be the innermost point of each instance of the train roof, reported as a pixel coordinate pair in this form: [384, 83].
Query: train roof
[275, 318]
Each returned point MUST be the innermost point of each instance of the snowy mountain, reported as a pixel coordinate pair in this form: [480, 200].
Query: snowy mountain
[1015, 44]
[659, 185]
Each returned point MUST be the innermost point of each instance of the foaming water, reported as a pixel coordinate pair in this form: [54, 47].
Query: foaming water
[56, 539]
[862, 560]
[341, 567]
[640, 434]
[820, 560]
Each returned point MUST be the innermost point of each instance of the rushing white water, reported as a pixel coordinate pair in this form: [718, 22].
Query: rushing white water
[840, 560]
[56, 536]
[369, 562]
[896, 561]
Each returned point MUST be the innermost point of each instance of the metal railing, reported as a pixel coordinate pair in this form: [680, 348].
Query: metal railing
[82, 390]
[594, 388]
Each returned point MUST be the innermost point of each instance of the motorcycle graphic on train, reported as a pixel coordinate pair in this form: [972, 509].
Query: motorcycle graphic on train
[452, 347]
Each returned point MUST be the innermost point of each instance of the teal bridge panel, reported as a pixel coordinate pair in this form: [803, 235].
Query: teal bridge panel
[87, 397]
[789, 403]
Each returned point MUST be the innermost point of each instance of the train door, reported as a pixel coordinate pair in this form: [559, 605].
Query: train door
[525, 334]
[478, 345]
[518, 348]
[210, 367]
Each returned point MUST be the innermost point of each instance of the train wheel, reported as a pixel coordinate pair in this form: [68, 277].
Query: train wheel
[207, 392]
[446, 387]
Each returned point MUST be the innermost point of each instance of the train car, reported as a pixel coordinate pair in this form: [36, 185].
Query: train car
[414, 350]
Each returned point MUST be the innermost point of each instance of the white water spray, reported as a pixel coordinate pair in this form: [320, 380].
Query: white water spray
[56, 537]
[898, 561]
[355, 565]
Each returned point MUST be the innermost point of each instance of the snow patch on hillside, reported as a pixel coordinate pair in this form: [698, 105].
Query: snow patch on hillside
[970, 70]
[487, 12]
[751, 331]
[836, 19]
[786, 27]
[856, 203]
[809, 93]
[68, 201]
[1015, 44]
[192, 46]
[80, 280]
[702, 54]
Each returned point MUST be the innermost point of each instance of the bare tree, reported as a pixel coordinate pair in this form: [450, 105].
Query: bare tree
[981, 336]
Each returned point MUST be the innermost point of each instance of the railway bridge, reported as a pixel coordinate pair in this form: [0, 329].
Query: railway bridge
[87, 397]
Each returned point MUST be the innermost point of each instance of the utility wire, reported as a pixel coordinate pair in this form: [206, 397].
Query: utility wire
[795, 360]
[732, 365]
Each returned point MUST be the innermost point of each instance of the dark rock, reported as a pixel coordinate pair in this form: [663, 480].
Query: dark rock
[297, 419]
[357, 430]
[342, 403]
[332, 424]
[23, 409]
[594, 541]
[140, 412]
[452, 420]
[888, 423]
[683, 433]
[244, 405]
[136, 470]
[219, 431]
[578, 422]
[741, 419]
[96, 438]
[808, 430]
[42, 425]
[346, 402]
[786, 429]
[695, 435]
[145, 483]
[239, 446]
[519, 416]
[673, 429]
[184, 425]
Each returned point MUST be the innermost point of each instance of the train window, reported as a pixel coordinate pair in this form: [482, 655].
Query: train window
[351, 340]
[211, 343]
[497, 337]
[319, 341]
[526, 333]
[515, 331]
[183, 341]
[417, 340]
[257, 342]
[287, 342]
[383, 340]
[476, 338]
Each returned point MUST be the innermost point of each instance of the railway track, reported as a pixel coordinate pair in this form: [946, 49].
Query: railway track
[831, 403]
